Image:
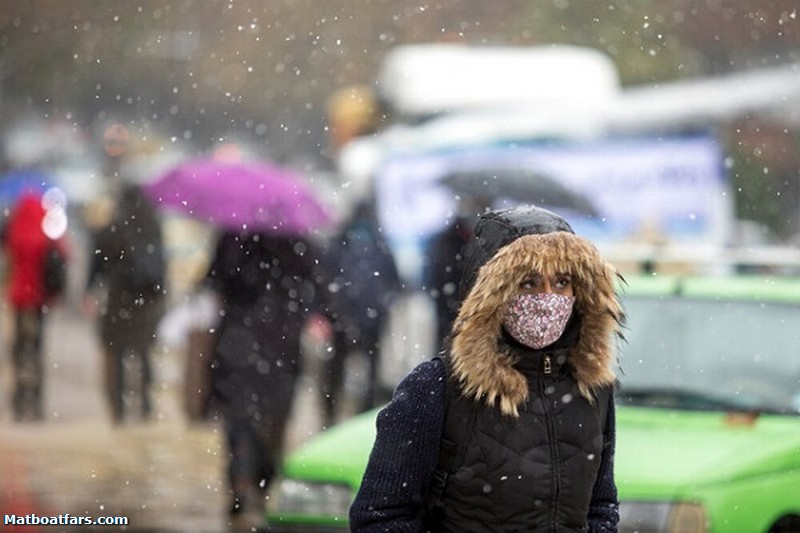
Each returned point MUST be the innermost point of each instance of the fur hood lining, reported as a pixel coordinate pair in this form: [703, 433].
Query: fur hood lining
[482, 364]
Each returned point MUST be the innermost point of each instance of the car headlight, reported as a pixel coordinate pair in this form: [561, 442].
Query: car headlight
[661, 517]
[298, 498]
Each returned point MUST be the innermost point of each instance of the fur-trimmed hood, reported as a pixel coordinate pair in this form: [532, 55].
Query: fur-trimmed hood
[482, 362]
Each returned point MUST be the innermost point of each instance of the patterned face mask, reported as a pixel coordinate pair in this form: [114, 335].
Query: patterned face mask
[538, 320]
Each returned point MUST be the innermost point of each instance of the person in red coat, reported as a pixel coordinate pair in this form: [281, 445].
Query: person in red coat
[26, 246]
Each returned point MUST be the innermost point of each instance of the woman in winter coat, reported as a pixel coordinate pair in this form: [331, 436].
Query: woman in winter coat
[513, 429]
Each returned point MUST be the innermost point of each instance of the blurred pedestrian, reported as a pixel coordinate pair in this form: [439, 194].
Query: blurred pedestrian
[127, 272]
[28, 249]
[513, 428]
[444, 273]
[266, 286]
[362, 285]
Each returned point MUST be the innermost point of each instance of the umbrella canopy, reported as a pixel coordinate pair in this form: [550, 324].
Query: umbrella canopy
[240, 195]
[518, 184]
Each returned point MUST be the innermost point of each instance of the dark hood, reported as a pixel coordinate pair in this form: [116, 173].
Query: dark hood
[497, 229]
[507, 247]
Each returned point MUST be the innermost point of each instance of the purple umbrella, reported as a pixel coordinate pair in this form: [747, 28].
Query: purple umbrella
[241, 195]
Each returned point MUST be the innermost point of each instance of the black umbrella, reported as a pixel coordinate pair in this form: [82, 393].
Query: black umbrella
[518, 184]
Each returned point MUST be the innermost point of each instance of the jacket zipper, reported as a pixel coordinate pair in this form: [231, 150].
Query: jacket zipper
[551, 430]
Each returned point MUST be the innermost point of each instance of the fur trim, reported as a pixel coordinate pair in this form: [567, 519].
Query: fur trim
[483, 365]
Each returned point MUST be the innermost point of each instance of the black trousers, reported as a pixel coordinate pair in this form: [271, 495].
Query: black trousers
[28, 365]
[344, 343]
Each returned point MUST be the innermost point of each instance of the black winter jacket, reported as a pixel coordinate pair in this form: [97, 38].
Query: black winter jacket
[406, 452]
[491, 466]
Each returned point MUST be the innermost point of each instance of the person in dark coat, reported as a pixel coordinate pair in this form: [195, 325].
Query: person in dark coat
[513, 428]
[267, 289]
[362, 284]
[445, 258]
[127, 270]
[26, 245]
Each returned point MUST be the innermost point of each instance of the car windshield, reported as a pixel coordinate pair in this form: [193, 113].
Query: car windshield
[711, 355]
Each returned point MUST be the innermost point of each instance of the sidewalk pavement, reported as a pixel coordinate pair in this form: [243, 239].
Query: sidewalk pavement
[163, 475]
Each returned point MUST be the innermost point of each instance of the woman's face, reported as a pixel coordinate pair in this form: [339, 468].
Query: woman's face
[560, 284]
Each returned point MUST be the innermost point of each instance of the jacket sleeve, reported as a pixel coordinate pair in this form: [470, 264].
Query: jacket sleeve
[404, 454]
[604, 506]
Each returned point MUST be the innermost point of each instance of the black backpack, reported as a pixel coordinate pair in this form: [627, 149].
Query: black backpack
[54, 272]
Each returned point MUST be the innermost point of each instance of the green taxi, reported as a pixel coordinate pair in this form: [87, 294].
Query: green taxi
[708, 416]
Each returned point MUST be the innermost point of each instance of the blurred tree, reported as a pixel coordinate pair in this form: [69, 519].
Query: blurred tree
[190, 61]
[765, 166]
[203, 69]
[643, 45]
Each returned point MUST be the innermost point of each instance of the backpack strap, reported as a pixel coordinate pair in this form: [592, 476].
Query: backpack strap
[603, 397]
[459, 421]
